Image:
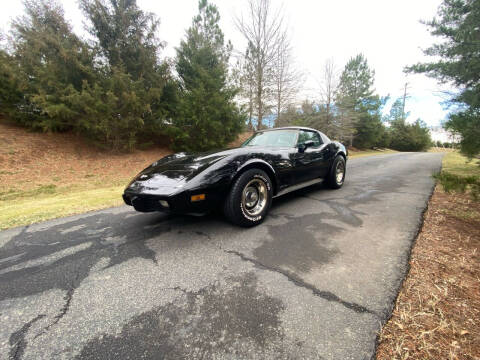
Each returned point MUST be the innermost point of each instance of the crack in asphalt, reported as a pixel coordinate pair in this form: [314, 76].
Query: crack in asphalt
[63, 311]
[326, 295]
[68, 299]
[17, 339]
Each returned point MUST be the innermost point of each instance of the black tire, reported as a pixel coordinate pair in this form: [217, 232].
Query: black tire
[339, 165]
[238, 205]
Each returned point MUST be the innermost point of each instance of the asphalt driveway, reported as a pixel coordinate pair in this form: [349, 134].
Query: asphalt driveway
[314, 281]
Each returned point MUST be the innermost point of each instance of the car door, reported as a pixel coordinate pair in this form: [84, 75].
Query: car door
[311, 163]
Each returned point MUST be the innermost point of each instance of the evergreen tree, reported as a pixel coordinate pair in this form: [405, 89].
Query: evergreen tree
[11, 95]
[356, 82]
[207, 115]
[410, 137]
[135, 91]
[457, 24]
[369, 127]
[358, 108]
[396, 111]
[48, 62]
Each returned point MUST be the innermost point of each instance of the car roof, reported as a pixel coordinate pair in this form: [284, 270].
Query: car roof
[324, 137]
[289, 128]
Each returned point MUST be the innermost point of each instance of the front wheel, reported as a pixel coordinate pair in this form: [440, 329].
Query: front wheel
[336, 178]
[249, 199]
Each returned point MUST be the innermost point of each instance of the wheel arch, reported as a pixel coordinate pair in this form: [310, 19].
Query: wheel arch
[339, 153]
[257, 164]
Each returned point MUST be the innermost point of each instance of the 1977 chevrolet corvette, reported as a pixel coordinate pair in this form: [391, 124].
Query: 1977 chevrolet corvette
[243, 180]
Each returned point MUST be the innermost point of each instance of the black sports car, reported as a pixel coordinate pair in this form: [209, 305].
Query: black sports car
[243, 180]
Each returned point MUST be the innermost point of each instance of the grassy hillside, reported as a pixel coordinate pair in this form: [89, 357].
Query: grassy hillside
[43, 176]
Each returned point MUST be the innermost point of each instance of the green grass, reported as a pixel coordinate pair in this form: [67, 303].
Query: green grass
[49, 202]
[460, 174]
[457, 164]
[12, 194]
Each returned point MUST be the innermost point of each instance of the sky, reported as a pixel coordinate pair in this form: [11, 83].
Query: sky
[387, 32]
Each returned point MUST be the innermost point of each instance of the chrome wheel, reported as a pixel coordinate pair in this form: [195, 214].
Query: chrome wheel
[340, 172]
[254, 197]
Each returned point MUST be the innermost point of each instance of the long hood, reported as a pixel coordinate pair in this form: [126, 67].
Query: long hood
[173, 171]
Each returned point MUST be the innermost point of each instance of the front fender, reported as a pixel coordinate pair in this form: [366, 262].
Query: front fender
[257, 163]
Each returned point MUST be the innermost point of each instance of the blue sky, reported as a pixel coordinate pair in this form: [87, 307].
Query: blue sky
[387, 32]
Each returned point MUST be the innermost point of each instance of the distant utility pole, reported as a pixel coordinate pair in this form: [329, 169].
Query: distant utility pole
[405, 95]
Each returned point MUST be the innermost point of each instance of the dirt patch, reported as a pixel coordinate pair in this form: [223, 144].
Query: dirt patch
[437, 314]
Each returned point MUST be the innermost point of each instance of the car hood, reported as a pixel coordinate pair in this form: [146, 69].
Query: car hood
[173, 171]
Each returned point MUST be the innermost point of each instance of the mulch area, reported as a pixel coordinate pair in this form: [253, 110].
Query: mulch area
[437, 313]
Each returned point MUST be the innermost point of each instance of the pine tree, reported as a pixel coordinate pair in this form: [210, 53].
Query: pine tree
[207, 115]
[397, 112]
[359, 108]
[410, 137]
[457, 24]
[135, 91]
[49, 61]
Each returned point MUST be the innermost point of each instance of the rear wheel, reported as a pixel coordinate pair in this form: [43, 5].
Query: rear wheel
[336, 178]
[249, 199]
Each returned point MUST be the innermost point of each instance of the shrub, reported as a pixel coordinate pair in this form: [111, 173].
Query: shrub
[410, 137]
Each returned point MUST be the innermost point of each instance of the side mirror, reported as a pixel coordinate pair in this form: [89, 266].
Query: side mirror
[302, 147]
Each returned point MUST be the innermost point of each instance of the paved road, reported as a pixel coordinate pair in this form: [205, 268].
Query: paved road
[315, 281]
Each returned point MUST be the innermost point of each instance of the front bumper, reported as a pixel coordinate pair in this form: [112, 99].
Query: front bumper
[178, 203]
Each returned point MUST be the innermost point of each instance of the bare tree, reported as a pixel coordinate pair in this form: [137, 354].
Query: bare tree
[263, 29]
[286, 78]
[328, 89]
[345, 121]
[246, 83]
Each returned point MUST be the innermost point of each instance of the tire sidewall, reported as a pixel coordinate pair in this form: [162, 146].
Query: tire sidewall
[242, 181]
[333, 179]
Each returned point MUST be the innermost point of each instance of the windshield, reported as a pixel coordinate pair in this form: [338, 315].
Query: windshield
[276, 138]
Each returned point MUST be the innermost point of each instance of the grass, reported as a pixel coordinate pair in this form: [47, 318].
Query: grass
[23, 209]
[457, 164]
[460, 174]
[45, 176]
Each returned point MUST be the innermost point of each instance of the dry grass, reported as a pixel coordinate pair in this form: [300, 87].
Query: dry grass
[437, 313]
[43, 176]
[30, 160]
[353, 152]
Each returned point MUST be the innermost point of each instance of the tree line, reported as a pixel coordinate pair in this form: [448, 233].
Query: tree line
[117, 90]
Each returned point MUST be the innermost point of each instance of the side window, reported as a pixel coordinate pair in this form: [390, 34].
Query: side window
[309, 135]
